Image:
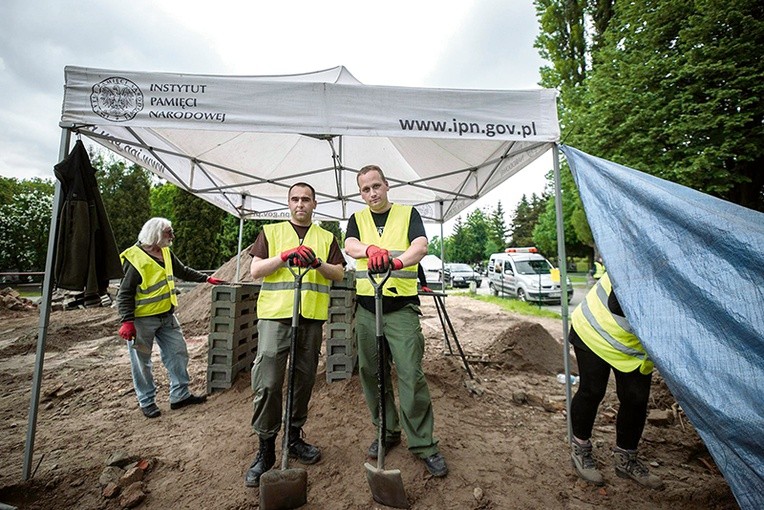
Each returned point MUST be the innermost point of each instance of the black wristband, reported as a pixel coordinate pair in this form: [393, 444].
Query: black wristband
[319, 262]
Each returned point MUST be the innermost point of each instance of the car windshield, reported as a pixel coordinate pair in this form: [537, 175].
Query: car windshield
[459, 268]
[533, 267]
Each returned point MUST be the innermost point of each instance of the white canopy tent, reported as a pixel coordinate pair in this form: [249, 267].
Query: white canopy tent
[240, 142]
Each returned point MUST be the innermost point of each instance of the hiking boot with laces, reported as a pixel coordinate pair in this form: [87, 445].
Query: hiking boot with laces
[266, 458]
[627, 465]
[584, 464]
[300, 450]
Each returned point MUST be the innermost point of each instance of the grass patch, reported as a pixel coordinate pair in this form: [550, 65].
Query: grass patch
[513, 305]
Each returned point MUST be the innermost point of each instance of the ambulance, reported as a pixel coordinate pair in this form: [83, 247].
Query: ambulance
[525, 274]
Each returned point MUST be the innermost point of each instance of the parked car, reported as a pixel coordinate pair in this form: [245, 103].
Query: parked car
[525, 274]
[460, 275]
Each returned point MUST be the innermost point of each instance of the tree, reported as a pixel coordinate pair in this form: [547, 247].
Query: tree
[10, 187]
[24, 229]
[677, 92]
[125, 192]
[162, 198]
[197, 226]
[525, 218]
[497, 234]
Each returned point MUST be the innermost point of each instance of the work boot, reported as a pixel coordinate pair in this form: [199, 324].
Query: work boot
[627, 465]
[266, 458]
[583, 462]
[436, 465]
[389, 445]
[300, 450]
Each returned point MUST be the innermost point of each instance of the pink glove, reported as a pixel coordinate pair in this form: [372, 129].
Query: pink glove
[425, 288]
[397, 264]
[127, 330]
[215, 281]
[378, 259]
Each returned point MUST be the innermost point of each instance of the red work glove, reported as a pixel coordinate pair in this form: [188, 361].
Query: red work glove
[127, 330]
[288, 254]
[425, 288]
[306, 257]
[215, 281]
[378, 259]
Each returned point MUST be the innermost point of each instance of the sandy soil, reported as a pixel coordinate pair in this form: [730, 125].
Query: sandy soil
[503, 434]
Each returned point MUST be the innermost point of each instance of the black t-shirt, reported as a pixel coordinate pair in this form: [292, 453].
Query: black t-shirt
[416, 230]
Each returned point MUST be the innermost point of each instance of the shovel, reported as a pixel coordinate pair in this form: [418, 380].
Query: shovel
[285, 489]
[386, 485]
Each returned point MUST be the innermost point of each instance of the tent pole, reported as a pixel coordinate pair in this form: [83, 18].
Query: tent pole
[241, 232]
[443, 271]
[47, 289]
[563, 282]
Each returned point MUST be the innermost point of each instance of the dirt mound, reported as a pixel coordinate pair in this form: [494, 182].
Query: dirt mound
[194, 306]
[528, 347]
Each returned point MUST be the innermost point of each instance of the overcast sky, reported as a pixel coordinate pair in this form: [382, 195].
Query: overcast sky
[482, 44]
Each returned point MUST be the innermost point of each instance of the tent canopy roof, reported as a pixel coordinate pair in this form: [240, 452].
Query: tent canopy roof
[240, 142]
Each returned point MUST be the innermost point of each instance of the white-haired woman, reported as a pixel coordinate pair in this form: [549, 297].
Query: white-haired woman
[146, 302]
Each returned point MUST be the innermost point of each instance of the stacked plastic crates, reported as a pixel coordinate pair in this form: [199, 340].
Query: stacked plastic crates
[341, 352]
[232, 343]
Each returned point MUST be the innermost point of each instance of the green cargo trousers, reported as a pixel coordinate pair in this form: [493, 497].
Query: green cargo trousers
[270, 369]
[405, 348]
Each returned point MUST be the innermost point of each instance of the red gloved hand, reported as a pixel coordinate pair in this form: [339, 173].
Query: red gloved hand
[305, 256]
[215, 281]
[127, 330]
[378, 259]
[396, 264]
[425, 288]
[288, 254]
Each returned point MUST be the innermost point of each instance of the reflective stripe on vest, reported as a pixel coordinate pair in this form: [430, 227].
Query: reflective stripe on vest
[608, 335]
[156, 292]
[276, 298]
[395, 238]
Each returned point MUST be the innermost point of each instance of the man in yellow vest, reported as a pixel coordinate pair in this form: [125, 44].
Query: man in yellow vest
[146, 302]
[382, 236]
[603, 341]
[305, 244]
[599, 269]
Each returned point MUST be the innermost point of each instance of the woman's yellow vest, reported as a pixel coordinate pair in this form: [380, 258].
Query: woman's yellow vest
[608, 335]
[156, 292]
[276, 298]
[395, 238]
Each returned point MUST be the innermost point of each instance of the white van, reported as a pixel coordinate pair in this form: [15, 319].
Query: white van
[525, 274]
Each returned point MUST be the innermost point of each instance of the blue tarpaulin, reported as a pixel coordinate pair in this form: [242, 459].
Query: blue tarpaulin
[688, 269]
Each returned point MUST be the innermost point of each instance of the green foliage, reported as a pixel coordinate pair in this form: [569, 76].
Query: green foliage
[162, 198]
[678, 92]
[526, 217]
[125, 192]
[228, 240]
[197, 226]
[10, 187]
[24, 229]
[497, 235]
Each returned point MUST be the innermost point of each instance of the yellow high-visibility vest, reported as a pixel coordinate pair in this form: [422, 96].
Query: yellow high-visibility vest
[599, 270]
[156, 292]
[608, 335]
[395, 239]
[276, 298]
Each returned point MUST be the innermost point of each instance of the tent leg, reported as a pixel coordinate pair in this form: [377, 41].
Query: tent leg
[241, 233]
[563, 282]
[47, 290]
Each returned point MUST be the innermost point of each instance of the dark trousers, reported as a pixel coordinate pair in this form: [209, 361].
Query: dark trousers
[633, 390]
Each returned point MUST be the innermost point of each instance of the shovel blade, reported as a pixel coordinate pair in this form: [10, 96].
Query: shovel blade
[386, 486]
[283, 489]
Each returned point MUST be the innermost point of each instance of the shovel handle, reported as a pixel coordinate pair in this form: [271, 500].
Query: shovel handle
[377, 281]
